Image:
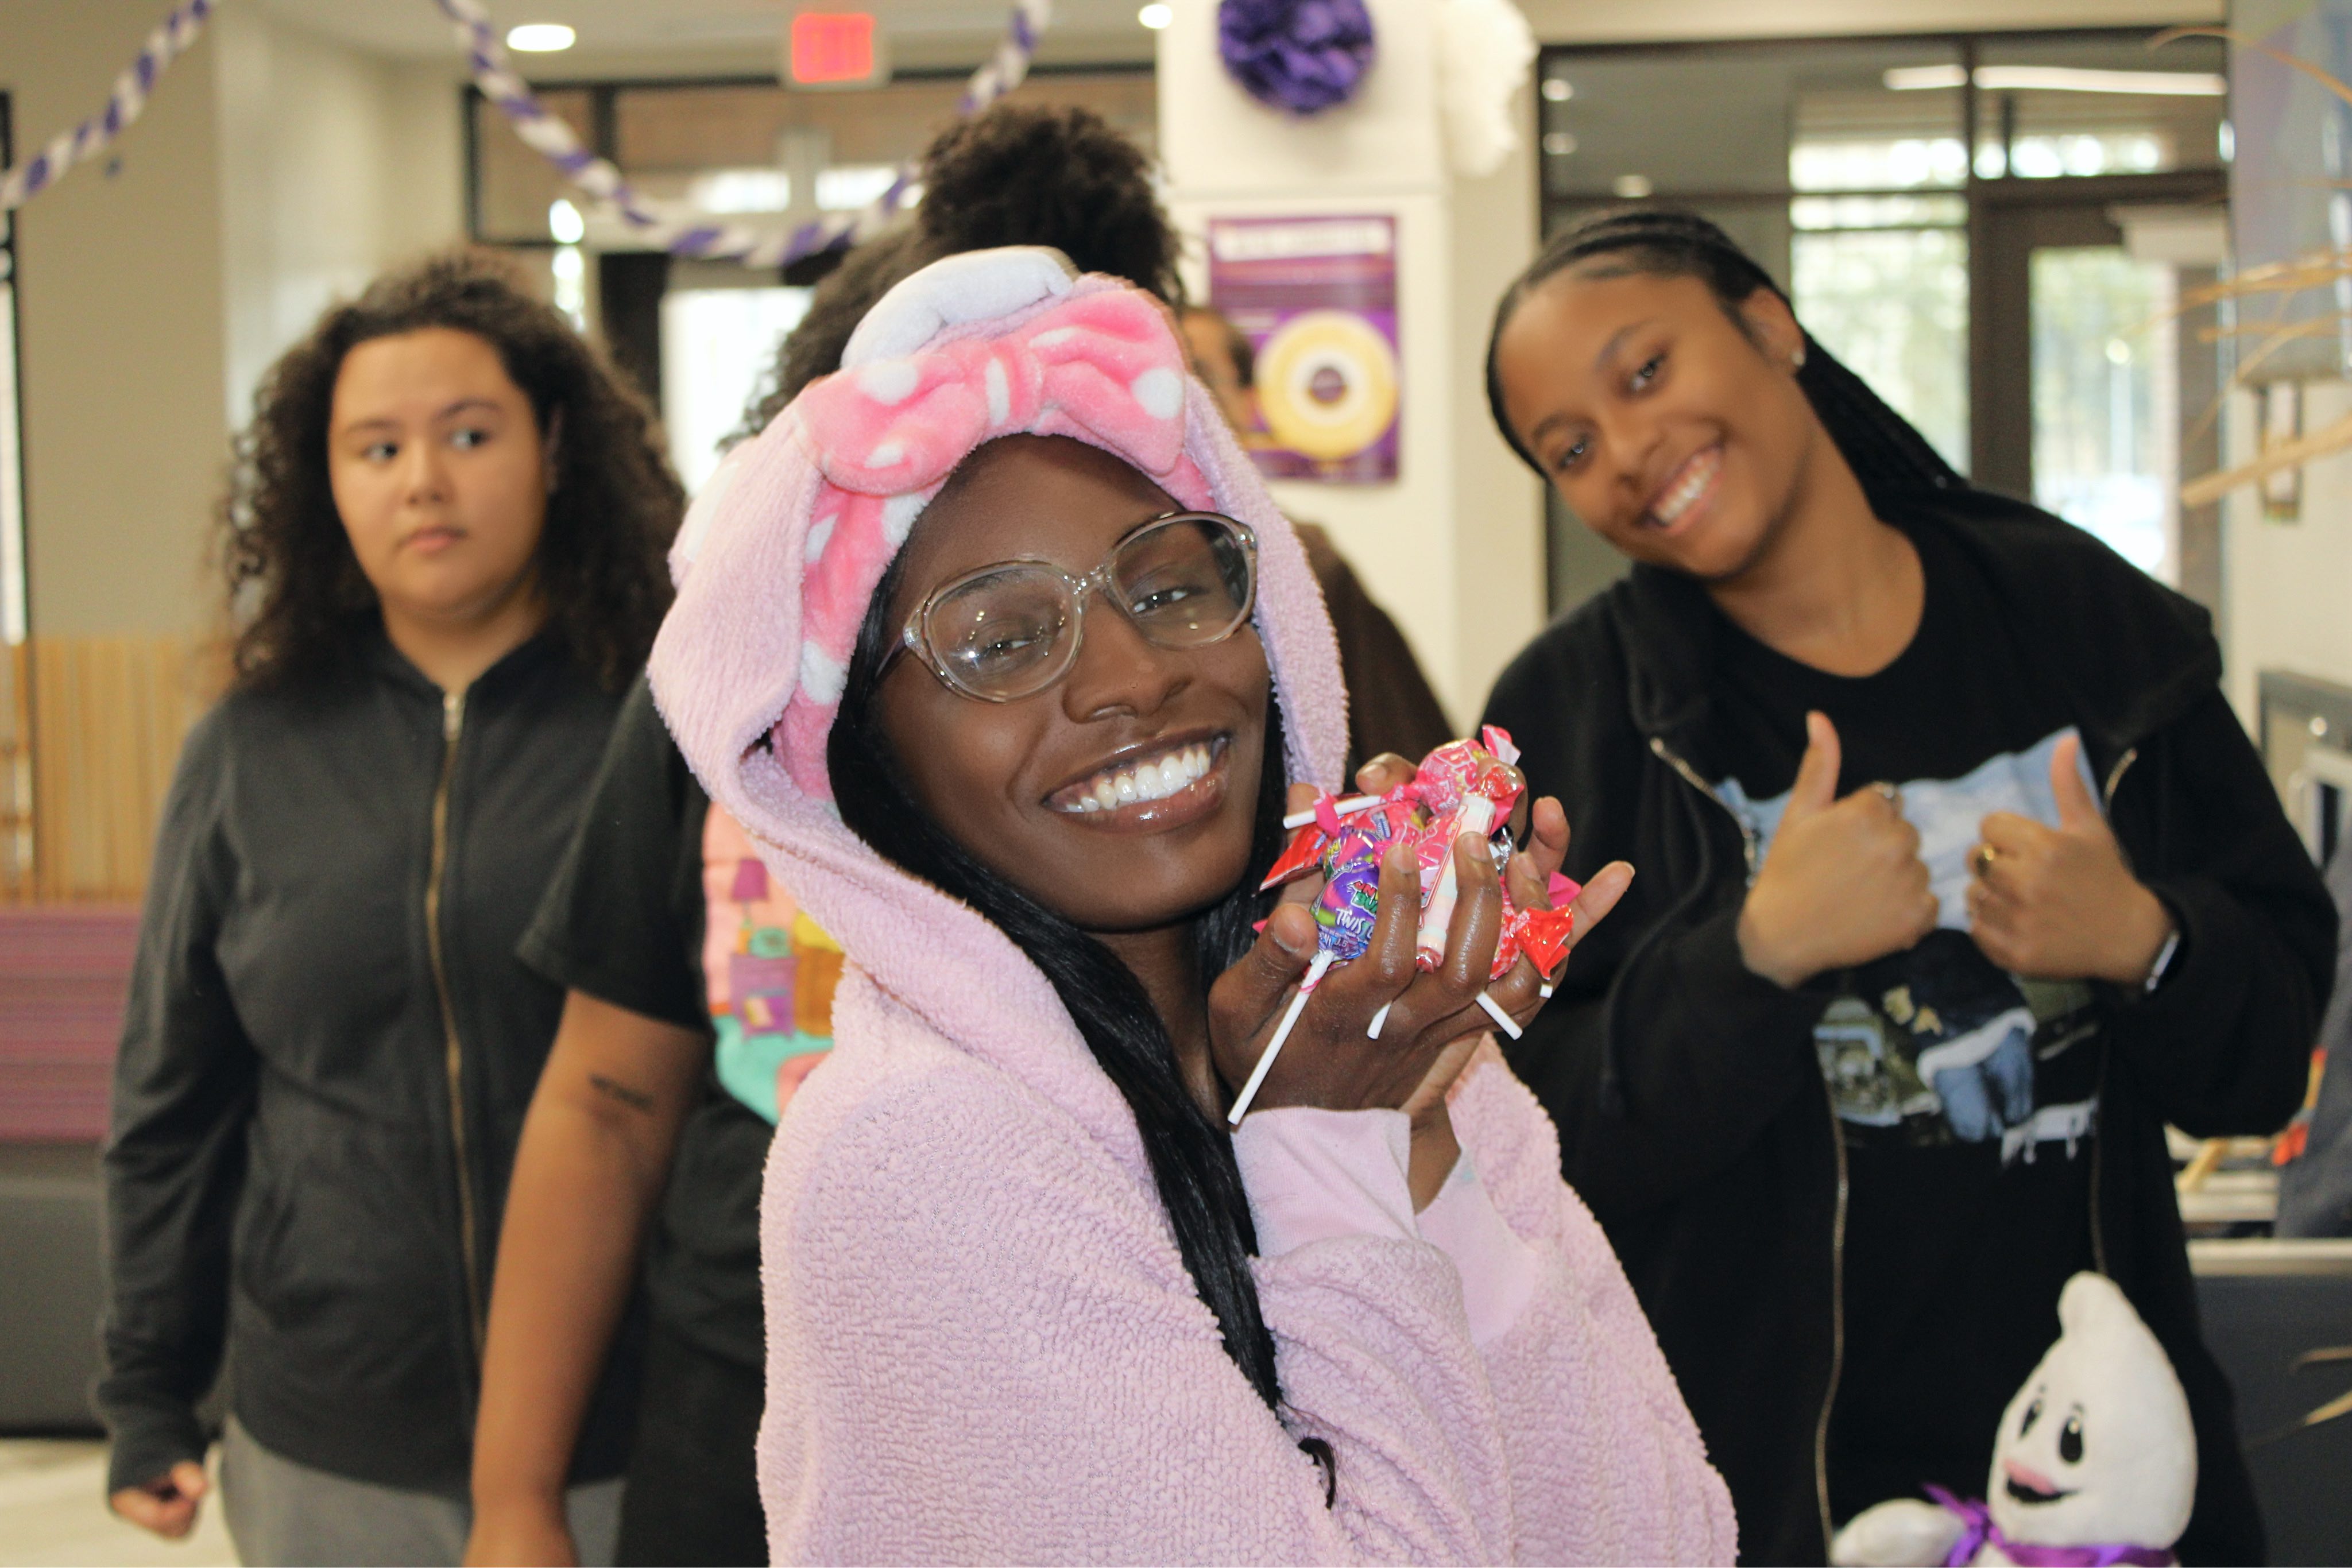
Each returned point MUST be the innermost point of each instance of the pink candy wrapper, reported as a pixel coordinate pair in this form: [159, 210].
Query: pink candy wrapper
[1462, 787]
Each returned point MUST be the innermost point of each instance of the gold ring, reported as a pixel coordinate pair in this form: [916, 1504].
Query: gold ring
[1984, 859]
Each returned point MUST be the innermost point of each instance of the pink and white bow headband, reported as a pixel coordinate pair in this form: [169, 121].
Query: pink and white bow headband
[979, 346]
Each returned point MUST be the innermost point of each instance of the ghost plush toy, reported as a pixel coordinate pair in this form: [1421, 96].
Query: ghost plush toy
[2096, 1461]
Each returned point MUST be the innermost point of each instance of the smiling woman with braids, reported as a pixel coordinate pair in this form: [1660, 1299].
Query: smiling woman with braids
[442, 542]
[1000, 653]
[1960, 879]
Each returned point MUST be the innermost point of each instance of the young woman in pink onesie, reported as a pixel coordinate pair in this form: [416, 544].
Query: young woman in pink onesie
[998, 649]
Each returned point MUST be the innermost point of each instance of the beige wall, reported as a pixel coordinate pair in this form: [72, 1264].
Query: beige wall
[271, 173]
[2287, 584]
[1500, 589]
[332, 163]
[120, 315]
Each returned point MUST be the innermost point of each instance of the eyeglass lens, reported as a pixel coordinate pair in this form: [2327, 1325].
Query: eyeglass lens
[1184, 583]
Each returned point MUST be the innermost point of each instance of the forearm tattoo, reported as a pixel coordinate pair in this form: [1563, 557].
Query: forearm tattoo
[635, 1099]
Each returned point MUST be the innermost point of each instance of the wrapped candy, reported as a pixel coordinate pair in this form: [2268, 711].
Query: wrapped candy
[1463, 786]
[1467, 788]
[1345, 911]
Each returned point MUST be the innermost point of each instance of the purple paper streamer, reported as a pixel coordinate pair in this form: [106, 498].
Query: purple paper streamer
[94, 135]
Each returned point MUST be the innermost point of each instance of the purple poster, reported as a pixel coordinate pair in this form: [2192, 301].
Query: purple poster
[1317, 299]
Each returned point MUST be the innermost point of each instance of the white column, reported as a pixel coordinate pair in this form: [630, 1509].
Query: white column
[1454, 547]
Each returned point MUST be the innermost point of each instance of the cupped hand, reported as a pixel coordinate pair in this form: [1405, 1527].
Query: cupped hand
[2060, 903]
[1434, 1021]
[1843, 884]
[167, 1503]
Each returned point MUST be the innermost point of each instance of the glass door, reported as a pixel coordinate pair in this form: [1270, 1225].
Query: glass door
[2107, 398]
[2096, 393]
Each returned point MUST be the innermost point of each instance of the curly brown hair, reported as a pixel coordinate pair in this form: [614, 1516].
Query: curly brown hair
[297, 596]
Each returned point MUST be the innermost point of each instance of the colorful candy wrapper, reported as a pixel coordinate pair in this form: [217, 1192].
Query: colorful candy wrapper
[1346, 907]
[1463, 786]
[1545, 940]
[1314, 832]
[1469, 789]
[1344, 913]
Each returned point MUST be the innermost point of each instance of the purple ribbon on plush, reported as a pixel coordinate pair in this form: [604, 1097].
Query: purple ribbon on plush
[1981, 1531]
[1301, 56]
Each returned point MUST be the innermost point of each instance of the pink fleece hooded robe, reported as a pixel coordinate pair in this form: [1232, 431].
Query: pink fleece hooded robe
[982, 1342]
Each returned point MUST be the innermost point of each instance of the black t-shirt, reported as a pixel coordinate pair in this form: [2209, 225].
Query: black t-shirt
[623, 921]
[1964, 1095]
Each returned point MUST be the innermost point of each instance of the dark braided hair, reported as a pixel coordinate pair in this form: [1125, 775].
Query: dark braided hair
[1892, 460]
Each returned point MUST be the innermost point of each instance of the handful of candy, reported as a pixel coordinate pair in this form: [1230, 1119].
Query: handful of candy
[1463, 787]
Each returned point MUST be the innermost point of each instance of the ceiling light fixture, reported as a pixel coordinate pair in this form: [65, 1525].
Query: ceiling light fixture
[2059, 79]
[541, 37]
[1156, 15]
[1557, 90]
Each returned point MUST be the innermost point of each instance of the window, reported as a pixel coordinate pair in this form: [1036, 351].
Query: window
[715, 346]
[2105, 409]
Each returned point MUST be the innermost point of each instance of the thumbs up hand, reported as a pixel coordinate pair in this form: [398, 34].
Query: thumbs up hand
[2059, 904]
[1843, 882]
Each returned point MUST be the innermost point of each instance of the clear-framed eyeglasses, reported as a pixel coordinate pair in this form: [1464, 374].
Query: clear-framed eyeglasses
[1182, 580]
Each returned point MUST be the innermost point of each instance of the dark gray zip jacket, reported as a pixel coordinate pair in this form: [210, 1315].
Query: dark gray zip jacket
[1692, 1113]
[329, 1050]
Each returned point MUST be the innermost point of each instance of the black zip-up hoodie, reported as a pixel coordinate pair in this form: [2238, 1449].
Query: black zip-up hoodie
[317, 1103]
[1692, 1110]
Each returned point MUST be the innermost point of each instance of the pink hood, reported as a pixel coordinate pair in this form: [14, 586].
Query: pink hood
[730, 669]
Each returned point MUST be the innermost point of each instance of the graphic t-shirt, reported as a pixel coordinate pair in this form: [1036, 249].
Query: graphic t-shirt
[768, 973]
[652, 870]
[1965, 1095]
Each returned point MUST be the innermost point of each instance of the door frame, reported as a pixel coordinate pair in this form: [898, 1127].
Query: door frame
[2009, 220]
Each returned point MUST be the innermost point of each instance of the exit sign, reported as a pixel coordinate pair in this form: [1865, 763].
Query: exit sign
[832, 49]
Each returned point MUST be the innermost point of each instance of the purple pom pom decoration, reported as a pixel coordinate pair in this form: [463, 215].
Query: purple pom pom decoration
[1302, 57]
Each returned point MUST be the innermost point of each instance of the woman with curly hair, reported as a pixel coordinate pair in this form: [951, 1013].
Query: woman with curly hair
[441, 541]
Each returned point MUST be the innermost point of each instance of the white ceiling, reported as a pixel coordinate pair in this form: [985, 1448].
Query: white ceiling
[615, 32]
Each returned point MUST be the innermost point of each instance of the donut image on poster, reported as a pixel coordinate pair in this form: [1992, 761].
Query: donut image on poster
[1327, 382]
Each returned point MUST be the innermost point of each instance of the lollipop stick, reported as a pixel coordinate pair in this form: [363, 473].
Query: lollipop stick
[1315, 973]
[1379, 1019]
[1347, 808]
[1503, 1020]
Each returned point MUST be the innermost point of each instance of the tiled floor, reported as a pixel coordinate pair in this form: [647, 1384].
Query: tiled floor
[53, 1513]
